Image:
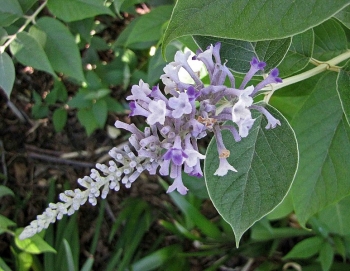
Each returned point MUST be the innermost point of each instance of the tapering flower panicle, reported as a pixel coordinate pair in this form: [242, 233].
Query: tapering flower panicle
[176, 120]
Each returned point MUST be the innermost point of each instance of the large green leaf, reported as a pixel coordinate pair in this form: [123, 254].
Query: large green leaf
[298, 55]
[330, 40]
[238, 53]
[29, 52]
[7, 73]
[344, 16]
[74, 10]
[343, 83]
[266, 162]
[145, 30]
[315, 113]
[10, 11]
[60, 47]
[250, 20]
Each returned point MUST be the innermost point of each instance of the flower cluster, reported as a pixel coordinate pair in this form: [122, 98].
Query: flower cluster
[176, 120]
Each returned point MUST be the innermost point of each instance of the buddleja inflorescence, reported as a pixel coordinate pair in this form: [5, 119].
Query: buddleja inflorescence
[177, 119]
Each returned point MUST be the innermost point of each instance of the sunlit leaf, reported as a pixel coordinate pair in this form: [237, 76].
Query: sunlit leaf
[60, 47]
[29, 52]
[74, 10]
[33, 245]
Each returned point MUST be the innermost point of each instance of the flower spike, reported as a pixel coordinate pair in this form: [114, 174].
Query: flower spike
[176, 120]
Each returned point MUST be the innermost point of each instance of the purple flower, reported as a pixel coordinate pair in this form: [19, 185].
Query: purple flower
[244, 126]
[158, 111]
[140, 92]
[271, 78]
[224, 167]
[181, 105]
[192, 93]
[137, 110]
[178, 185]
[255, 66]
[176, 153]
[272, 121]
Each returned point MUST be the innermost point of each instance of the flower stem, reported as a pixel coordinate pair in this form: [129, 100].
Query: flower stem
[321, 67]
[29, 19]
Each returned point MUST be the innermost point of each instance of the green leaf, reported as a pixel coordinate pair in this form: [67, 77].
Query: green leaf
[262, 231]
[87, 119]
[33, 245]
[69, 256]
[7, 73]
[25, 261]
[156, 259]
[330, 40]
[26, 4]
[79, 100]
[100, 110]
[337, 217]
[250, 20]
[60, 47]
[315, 113]
[10, 11]
[145, 30]
[3, 36]
[4, 266]
[5, 191]
[326, 256]
[344, 16]
[5, 223]
[305, 249]
[74, 10]
[266, 162]
[282, 210]
[298, 55]
[29, 52]
[343, 83]
[59, 119]
[99, 94]
[239, 53]
[205, 225]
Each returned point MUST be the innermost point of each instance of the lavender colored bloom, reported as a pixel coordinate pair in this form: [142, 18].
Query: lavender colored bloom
[272, 121]
[178, 185]
[255, 66]
[181, 105]
[176, 153]
[158, 111]
[224, 167]
[244, 125]
[271, 78]
[137, 110]
[140, 92]
[240, 111]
